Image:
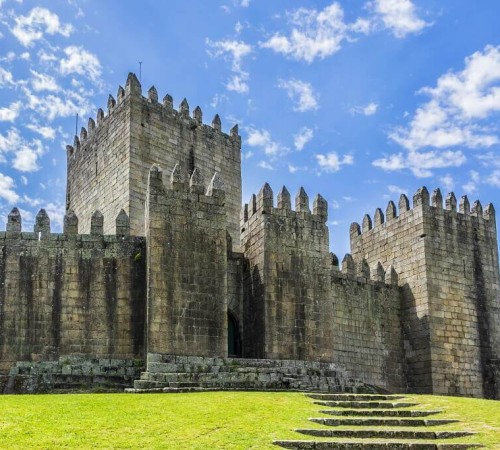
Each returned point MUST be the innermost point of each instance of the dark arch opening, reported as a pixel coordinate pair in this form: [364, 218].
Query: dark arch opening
[233, 337]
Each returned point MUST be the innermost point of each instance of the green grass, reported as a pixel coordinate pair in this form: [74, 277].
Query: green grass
[212, 420]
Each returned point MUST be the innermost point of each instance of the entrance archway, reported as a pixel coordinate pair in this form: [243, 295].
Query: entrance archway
[233, 337]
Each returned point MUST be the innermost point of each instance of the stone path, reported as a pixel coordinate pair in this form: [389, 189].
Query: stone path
[375, 422]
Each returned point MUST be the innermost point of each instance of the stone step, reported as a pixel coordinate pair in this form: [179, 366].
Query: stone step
[357, 445]
[354, 397]
[183, 384]
[366, 405]
[380, 412]
[384, 434]
[382, 422]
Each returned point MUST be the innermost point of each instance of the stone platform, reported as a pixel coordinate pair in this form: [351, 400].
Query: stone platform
[167, 373]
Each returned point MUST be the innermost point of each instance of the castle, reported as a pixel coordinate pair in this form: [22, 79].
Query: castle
[161, 277]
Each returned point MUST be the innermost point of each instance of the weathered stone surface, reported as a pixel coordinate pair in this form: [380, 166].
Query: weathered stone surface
[153, 228]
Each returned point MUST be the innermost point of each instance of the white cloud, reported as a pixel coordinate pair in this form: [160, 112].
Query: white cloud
[43, 82]
[235, 51]
[331, 162]
[6, 78]
[292, 168]
[399, 16]
[51, 106]
[314, 34]
[80, 61]
[471, 187]
[367, 110]
[393, 189]
[457, 114]
[238, 27]
[45, 57]
[262, 138]
[26, 153]
[45, 132]
[265, 165]
[7, 189]
[489, 159]
[32, 27]
[25, 160]
[494, 178]
[301, 93]
[456, 107]
[302, 138]
[24, 180]
[421, 163]
[10, 113]
[448, 182]
[242, 3]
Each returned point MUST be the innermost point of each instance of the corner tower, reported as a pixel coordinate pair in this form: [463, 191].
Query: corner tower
[108, 164]
[447, 264]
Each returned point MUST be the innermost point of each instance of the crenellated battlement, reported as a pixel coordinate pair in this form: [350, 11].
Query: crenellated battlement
[431, 204]
[186, 189]
[263, 203]
[133, 88]
[42, 228]
[362, 272]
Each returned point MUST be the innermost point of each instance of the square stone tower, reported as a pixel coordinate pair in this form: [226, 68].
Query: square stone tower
[108, 165]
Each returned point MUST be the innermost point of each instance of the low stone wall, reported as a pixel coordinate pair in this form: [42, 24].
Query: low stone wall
[167, 372]
[70, 373]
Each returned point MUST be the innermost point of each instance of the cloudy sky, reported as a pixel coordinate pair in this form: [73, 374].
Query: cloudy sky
[358, 100]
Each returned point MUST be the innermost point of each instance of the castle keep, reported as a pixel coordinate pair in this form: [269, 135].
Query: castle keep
[160, 279]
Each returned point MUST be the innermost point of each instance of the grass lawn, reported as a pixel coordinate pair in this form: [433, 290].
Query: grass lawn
[212, 420]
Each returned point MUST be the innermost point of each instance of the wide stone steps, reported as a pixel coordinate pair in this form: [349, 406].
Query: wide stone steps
[365, 405]
[240, 373]
[355, 397]
[381, 422]
[359, 445]
[376, 422]
[384, 434]
[380, 412]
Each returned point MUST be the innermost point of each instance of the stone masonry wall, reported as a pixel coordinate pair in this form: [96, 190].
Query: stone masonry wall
[365, 327]
[303, 307]
[187, 266]
[98, 166]
[446, 264]
[397, 241]
[70, 294]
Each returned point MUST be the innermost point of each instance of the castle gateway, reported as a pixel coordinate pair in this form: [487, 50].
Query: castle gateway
[159, 270]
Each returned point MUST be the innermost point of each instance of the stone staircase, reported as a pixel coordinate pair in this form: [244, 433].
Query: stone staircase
[375, 422]
[168, 373]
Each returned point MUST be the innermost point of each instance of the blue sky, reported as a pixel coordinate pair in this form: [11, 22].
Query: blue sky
[358, 100]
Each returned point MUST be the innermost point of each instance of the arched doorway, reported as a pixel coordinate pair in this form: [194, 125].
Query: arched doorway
[233, 337]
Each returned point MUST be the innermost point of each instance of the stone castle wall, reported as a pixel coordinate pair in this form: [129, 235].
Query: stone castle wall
[70, 294]
[449, 281]
[151, 263]
[298, 304]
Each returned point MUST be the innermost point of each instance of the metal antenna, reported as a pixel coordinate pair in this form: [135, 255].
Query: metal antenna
[140, 71]
[76, 125]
